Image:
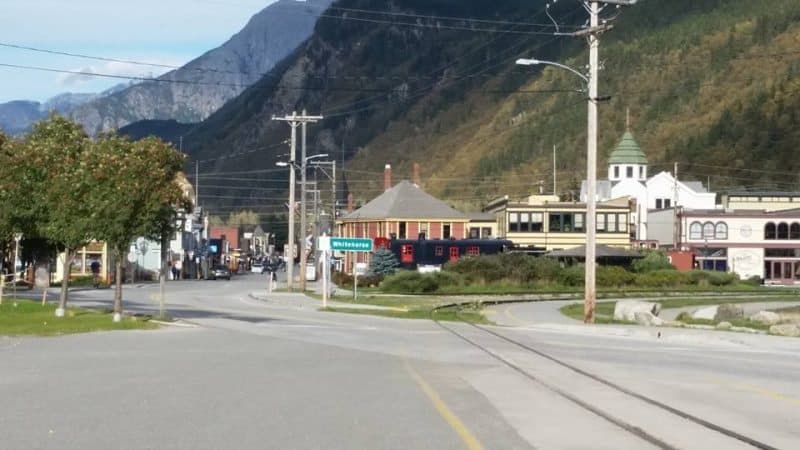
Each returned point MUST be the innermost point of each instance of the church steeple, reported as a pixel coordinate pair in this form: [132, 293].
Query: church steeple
[627, 161]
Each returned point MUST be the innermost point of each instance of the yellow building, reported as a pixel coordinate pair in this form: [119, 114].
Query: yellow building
[542, 223]
[82, 262]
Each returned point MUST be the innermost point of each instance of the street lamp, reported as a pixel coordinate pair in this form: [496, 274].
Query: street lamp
[590, 294]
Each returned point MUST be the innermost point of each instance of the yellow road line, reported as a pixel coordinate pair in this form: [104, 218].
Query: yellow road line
[755, 389]
[507, 313]
[449, 416]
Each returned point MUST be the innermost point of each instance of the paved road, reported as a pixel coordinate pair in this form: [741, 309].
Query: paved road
[277, 373]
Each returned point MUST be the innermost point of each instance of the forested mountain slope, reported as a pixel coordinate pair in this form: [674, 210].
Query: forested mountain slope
[711, 84]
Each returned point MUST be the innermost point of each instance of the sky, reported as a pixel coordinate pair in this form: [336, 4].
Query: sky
[170, 32]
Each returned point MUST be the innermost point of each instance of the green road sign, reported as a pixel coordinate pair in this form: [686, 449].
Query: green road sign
[351, 244]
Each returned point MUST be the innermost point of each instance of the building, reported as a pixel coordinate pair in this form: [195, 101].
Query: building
[761, 200]
[543, 223]
[404, 211]
[750, 243]
[628, 177]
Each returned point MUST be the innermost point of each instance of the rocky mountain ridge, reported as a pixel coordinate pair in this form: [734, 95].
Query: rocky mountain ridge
[194, 91]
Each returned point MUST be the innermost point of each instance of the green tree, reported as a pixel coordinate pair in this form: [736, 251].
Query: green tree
[137, 193]
[383, 262]
[52, 199]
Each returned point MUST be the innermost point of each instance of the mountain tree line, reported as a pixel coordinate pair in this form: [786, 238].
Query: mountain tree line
[62, 189]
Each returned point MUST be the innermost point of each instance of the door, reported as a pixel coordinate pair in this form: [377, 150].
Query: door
[453, 253]
[782, 272]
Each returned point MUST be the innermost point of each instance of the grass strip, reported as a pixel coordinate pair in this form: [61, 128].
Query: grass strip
[23, 317]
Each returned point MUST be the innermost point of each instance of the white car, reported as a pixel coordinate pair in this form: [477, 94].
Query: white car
[257, 268]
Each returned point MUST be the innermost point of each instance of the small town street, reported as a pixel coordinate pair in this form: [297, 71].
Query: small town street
[248, 370]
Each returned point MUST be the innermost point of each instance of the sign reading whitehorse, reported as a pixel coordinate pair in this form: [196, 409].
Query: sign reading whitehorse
[346, 244]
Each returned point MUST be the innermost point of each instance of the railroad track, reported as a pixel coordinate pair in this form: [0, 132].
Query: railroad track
[604, 413]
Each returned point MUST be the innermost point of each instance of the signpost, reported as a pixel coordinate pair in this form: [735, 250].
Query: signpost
[329, 244]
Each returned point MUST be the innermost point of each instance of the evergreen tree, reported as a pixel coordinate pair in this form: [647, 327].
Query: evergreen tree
[383, 262]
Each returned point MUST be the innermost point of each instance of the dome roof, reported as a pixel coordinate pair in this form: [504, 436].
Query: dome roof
[627, 152]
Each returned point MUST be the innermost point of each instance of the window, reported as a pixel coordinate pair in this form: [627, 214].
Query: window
[513, 222]
[667, 203]
[423, 228]
[402, 231]
[629, 172]
[562, 222]
[695, 231]
[446, 231]
[721, 231]
[708, 230]
[794, 231]
[473, 250]
[783, 230]
[601, 222]
[641, 171]
[579, 222]
[537, 225]
[486, 232]
[770, 231]
[659, 204]
[616, 171]
[611, 223]
[438, 250]
[525, 222]
[474, 232]
[622, 223]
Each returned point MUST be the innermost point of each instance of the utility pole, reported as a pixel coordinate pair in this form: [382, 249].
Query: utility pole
[590, 296]
[294, 121]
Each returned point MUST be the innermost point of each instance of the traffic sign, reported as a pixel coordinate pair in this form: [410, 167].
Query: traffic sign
[350, 244]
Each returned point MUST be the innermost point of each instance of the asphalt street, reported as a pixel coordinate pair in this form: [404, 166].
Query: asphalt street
[271, 371]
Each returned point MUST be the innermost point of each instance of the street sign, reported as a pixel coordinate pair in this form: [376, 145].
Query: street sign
[351, 244]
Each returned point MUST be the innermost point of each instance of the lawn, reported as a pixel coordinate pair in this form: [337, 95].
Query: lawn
[409, 307]
[24, 317]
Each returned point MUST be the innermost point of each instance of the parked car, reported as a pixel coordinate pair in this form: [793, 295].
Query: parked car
[257, 268]
[218, 272]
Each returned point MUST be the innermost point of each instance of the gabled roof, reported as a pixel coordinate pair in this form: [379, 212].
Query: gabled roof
[406, 201]
[627, 152]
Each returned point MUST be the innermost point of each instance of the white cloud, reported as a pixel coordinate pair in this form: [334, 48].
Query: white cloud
[114, 69]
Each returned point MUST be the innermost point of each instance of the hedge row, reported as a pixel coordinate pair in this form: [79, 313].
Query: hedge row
[413, 282]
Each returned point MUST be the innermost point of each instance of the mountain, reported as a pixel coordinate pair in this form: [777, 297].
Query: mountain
[17, 117]
[710, 84]
[200, 87]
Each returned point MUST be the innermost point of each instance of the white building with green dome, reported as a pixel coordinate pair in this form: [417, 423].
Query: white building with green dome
[628, 177]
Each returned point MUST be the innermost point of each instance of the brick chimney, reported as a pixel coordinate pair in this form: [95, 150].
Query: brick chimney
[350, 202]
[387, 177]
[416, 178]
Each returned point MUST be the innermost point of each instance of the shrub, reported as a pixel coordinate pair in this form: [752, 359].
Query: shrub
[614, 276]
[444, 279]
[662, 278]
[344, 280]
[545, 269]
[572, 275]
[713, 278]
[410, 282]
[653, 260]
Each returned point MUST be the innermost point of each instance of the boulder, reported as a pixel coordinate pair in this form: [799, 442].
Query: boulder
[647, 318]
[724, 326]
[729, 311]
[706, 313]
[786, 329]
[766, 317]
[626, 309]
